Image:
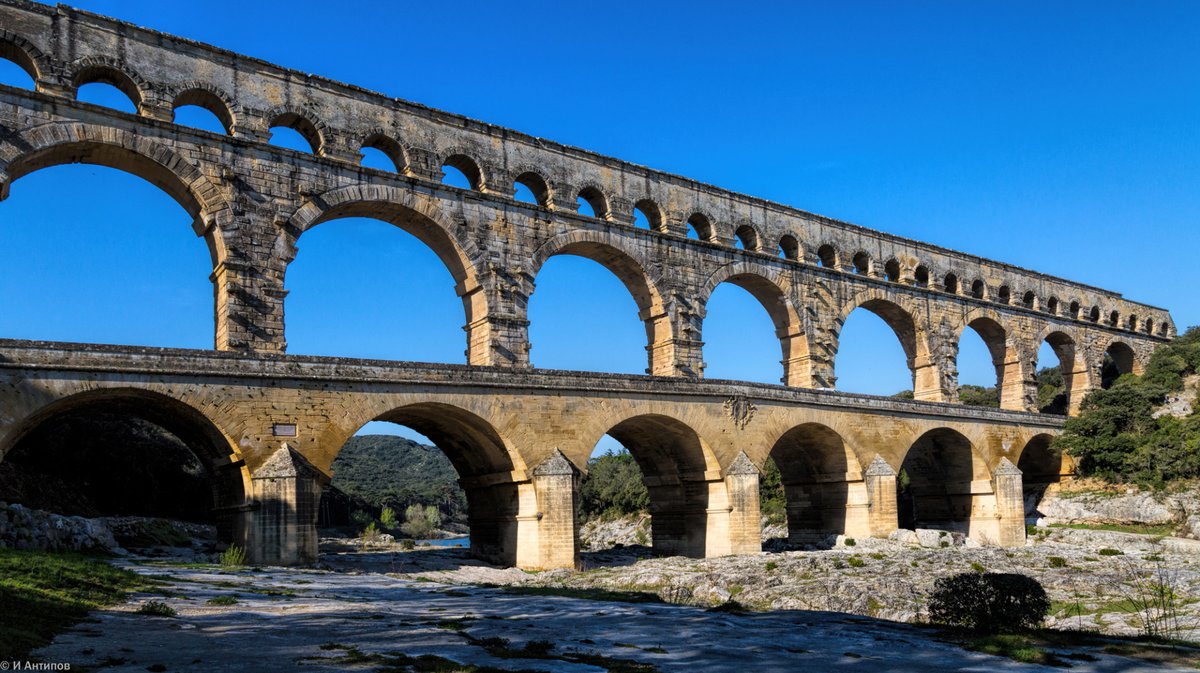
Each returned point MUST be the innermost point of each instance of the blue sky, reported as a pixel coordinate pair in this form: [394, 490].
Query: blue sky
[1063, 137]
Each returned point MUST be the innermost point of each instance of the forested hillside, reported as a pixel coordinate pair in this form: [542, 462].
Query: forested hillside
[385, 470]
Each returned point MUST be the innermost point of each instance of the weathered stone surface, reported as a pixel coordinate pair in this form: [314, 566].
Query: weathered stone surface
[23, 528]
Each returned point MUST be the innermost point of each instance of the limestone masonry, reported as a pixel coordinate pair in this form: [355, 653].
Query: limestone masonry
[270, 424]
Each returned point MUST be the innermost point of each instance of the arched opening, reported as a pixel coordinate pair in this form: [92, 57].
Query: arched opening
[1055, 368]
[592, 203]
[862, 263]
[108, 87]
[822, 483]
[789, 247]
[978, 289]
[1042, 469]
[1004, 295]
[700, 227]
[460, 170]
[441, 467]
[581, 315]
[532, 188]
[382, 153]
[1149, 325]
[17, 69]
[128, 453]
[1114, 319]
[739, 338]
[1131, 323]
[1073, 310]
[875, 351]
[1029, 300]
[980, 363]
[1052, 306]
[827, 256]
[204, 110]
[942, 485]
[921, 276]
[950, 284]
[647, 215]
[673, 461]
[1094, 314]
[746, 238]
[1118, 360]
[295, 132]
[891, 270]
[113, 251]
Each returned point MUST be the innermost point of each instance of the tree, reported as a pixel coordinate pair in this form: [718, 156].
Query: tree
[613, 487]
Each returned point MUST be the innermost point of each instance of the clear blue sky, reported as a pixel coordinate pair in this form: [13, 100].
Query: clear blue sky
[1063, 137]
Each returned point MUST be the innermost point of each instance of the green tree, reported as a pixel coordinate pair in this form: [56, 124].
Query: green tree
[388, 518]
[613, 487]
[772, 498]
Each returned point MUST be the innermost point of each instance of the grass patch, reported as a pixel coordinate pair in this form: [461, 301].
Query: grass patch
[1163, 530]
[1055, 647]
[1017, 647]
[1109, 551]
[41, 594]
[156, 609]
[223, 600]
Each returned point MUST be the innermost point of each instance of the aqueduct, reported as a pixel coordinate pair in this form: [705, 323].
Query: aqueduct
[268, 425]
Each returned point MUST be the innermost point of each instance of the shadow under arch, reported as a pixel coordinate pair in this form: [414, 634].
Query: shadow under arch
[607, 252]
[768, 291]
[674, 462]
[488, 472]
[822, 483]
[225, 473]
[940, 486]
[420, 218]
[1043, 468]
[904, 326]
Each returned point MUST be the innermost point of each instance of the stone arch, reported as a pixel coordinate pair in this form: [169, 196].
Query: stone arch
[1043, 467]
[862, 263]
[538, 185]
[903, 324]
[892, 270]
[944, 484]
[675, 463]
[703, 225]
[827, 256]
[470, 167]
[606, 250]
[921, 276]
[748, 236]
[420, 216]
[979, 289]
[1010, 374]
[654, 214]
[597, 199]
[381, 140]
[790, 248]
[26, 55]
[1077, 380]
[1029, 300]
[1120, 359]
[216, 451]
[769, 288]
[107, 70]
[209, 97]
[57, 144]
[302, 120]
[950, 283]
[822, 483]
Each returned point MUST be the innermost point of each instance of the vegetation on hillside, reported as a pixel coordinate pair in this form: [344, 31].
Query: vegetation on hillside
[390, 471]
[1051, 393]
[1116, 436]
[43, 593]
[612, 487]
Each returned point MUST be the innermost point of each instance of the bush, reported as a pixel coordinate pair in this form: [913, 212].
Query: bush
[388, 518]
[156, 609]
[223, 600]
[1057, 561]
[421, 520]
[855, 562]
[1109, 551]
[612, 488]
[408, 544]
[233, 557]
[989, 602]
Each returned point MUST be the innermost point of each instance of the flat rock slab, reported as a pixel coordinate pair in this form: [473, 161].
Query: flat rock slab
[290, 620]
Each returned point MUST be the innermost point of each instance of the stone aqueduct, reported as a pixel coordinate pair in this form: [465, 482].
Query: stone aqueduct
[270, 424]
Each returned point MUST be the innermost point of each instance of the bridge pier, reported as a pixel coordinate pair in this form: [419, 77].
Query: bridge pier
[286, 496]
[882, 510]
[550, 539]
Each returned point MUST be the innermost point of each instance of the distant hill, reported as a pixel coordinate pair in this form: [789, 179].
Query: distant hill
[397, 472]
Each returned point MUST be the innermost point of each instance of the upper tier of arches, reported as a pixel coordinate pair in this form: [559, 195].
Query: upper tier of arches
[561, 179]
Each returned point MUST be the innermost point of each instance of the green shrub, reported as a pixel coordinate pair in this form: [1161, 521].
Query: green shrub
[1057, 561]
[420, 521]
[156, 609]
[612, 487]
[850, 542]
[233, 557]
[223, 600]
[1109, 551]
[771, 565]
[387, 518]
[989, 602]
[855, 562]
[978, 567]
[408, 544]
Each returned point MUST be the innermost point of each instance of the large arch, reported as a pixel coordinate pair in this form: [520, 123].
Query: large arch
[1043, 468]
[422, 218]
[768, 289]
[1010, 376]
[1119, 358]
[674, 462]
[944, 484]
[822, 482]
[489, 470]
[606, 251]
[26, 55]
[1076, 379]
[225, 474]
[902, 323]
